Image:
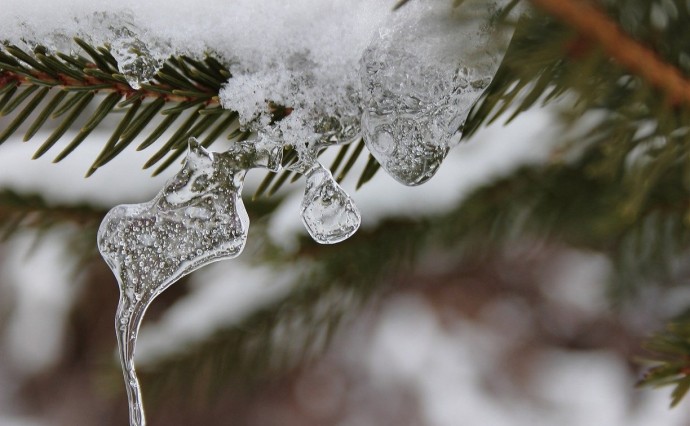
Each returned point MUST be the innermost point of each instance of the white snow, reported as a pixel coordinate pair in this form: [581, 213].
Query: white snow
[576, 280]
[447, 367]
[42, 288]
[300, 53]
[254, 30]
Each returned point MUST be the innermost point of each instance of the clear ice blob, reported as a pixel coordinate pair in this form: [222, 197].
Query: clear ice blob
[328, 212]
[420, 76]
[197, 218]
[308, 141]
[135, 60]
[334, 130]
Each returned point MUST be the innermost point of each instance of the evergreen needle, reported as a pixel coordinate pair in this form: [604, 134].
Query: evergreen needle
[160, 129]
[43, 116]
[101, 112]
[106, 153]
[369, 172]
[8, 95]
[65, 125]
[17, 100]
[22, 116]
[178, 135]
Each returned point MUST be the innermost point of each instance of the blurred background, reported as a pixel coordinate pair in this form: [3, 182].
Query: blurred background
[470, 300]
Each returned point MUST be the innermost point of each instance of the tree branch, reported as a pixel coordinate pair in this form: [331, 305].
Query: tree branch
[65, 82]
[592, 23]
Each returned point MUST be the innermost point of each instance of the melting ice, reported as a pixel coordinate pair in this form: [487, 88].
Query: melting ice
[420, 76]
[197, 218]
[135, 60]
[328, 212]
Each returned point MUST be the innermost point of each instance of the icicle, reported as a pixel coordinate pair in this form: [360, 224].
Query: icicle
[328, 212]
[198, 218]
[420, 77]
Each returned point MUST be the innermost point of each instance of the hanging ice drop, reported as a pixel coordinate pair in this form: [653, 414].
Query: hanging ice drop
[328, 212]
[420, 77]
[134, 59]
[197, 218]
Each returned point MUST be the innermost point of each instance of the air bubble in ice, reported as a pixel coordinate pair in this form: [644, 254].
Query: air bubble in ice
[197, 218]
[328, 212]
[333, 130]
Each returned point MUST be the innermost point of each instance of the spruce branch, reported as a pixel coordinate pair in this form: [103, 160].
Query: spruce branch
[636, 212]
[183, 84]
[96, 80]
[184, 92]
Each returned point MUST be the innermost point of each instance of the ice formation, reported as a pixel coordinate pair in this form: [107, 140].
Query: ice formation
[197, 218]
[420, 77]
[134, 59]
[405, 81]
[408, 95]
[328, 212]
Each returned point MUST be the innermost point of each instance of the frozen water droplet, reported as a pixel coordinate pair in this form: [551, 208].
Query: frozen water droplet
[134, 59]
[420, 76]
[197, 218]
[406, 147]
[328, 212]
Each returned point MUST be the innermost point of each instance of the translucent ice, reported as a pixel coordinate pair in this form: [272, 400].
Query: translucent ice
[197, 218]
[336, 130]
[420, 76]
[328, 212]
[321, 113]
[134, 59]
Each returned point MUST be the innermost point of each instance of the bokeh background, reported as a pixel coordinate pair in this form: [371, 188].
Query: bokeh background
[406, 323]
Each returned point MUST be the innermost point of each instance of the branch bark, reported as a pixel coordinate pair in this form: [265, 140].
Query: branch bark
[63, 81]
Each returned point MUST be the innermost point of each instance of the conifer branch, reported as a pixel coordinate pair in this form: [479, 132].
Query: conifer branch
[182, 84]
[184, 91]
[20, 211]
[592, 24]
[63, 81]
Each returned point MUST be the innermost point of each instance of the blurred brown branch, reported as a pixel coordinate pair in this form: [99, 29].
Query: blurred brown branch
[591, 23]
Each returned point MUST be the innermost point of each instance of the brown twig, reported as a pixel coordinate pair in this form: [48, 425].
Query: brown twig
[592, 23]
[63, 80]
